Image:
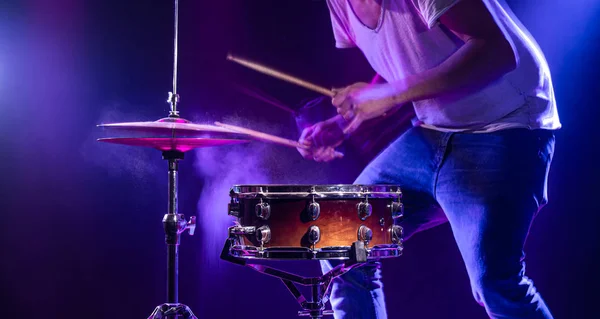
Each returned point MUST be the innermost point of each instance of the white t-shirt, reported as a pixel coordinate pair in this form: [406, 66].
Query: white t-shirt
[408, 40]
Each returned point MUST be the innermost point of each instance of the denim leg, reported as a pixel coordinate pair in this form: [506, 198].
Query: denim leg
[409, 162]
[357, 294]
[491, 186]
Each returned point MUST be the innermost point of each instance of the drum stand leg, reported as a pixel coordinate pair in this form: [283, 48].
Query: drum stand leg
[174, 225]
[320, 286]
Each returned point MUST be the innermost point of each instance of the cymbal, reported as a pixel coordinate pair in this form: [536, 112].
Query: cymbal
[175, 126]
[181, 144]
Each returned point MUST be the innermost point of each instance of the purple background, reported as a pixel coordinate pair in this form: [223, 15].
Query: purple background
[81, 220]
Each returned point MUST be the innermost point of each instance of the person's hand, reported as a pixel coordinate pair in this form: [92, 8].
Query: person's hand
[321, 140]
[344, 99]
[361, 101]
[327, 133]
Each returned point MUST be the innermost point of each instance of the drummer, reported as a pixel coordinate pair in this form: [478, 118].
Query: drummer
[481, 156]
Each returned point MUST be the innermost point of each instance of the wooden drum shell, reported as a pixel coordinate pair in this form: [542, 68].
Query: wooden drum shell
[338, 221]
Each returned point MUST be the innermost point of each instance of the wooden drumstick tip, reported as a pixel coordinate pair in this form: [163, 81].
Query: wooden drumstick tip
[280, 75]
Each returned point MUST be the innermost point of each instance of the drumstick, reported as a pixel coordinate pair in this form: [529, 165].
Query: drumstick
[280, 75]
[262, 136]
[261, 96]
[268, 137]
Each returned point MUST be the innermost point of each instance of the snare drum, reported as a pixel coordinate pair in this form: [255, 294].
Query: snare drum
[315, 221]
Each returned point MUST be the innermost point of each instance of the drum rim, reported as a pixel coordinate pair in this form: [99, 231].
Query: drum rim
[301, 253]
[317, 190]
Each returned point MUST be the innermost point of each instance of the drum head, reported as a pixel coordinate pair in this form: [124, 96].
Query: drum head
[318, 191]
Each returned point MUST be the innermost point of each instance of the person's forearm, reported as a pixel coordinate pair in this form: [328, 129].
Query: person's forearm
[475, 65]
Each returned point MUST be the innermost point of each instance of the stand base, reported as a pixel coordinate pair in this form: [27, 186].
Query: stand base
[172, 311]
[320, 286]
[315, 314]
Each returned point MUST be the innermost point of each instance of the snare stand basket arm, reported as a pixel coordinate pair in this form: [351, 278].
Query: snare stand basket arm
[320, 286]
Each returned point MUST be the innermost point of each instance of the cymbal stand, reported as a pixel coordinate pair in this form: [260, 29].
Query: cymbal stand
[174, 224]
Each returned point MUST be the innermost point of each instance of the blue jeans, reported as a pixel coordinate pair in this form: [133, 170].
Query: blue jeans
[489, 187]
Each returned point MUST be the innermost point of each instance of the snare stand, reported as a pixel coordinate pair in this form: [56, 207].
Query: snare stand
[320, 286]
[174, 224]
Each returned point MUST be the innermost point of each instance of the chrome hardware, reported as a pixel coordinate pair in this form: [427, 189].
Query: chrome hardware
[382, 222]
[325, 253]
[314, 210]
[319, 191]
[191, 225]
[263, 234]
[314, 234]
[364, 209]
[242, 230]
[263, 210]
[233, 208]
[365, 234]
[397, 209]
[396, 233]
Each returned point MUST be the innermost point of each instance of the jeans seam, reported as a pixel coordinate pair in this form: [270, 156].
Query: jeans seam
[439, 159]
[367, 278]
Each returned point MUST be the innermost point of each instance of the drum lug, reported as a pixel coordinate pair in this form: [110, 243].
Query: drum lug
[364, 209]
[263, 235]
[263, 210]
[233, 208]
[237, 232]
[314, 210]
[314, 235]
[242, 230]
[365, 234]
[396, 233]
[397, 209]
